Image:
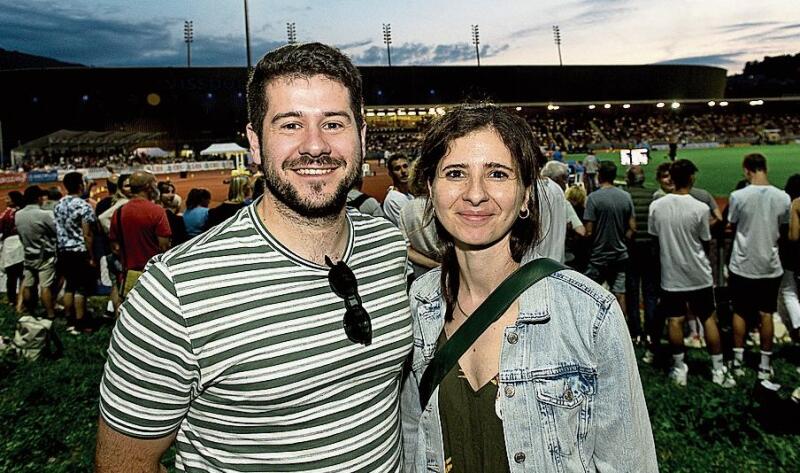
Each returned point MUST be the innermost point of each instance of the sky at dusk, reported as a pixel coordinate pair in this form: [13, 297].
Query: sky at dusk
[724, 33]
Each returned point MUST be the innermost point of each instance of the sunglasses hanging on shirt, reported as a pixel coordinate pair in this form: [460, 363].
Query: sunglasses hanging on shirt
[356, 322]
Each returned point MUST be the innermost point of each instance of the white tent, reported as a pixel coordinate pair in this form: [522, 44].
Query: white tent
[224, 149]
[152, 152]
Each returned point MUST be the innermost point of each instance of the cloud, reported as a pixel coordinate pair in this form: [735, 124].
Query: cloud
[425, 54]
[354, 44]
[746, 25]
[720, 60]
[80, 36]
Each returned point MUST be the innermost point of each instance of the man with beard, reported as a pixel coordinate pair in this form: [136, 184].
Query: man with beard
[276, 340]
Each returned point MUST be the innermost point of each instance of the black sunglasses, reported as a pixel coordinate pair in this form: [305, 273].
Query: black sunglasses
[357, 324]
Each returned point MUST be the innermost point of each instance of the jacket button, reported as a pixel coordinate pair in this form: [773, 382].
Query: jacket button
[510, 391]
[568, 396]
[519, 457]
[512, 338]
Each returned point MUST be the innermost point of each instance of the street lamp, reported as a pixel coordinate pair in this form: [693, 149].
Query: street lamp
[188, 38]
[476, 40]
[387, 39]
[291, 33]
[557, 39]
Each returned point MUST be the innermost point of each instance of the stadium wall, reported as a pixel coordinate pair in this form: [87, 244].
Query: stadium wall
[198, 106]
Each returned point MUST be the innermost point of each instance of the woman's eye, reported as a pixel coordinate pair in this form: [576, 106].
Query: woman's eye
[455, 174]
[498, 175]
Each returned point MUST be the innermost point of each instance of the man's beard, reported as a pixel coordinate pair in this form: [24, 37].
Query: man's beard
[287, 193]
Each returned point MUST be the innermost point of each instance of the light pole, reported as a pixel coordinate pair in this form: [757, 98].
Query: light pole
[387, 38]
[557, 39]
[188, 38]
[476, 40]
[291, 33]
[247, 36]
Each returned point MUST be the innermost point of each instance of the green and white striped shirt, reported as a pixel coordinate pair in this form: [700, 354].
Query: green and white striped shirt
[238, 344]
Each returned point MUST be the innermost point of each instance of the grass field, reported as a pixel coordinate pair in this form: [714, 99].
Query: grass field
[721, 168]
[48, 411]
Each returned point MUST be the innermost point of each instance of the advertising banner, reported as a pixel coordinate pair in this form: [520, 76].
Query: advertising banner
[38, 177]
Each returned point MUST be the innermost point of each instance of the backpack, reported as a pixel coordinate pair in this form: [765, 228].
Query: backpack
[35, 337]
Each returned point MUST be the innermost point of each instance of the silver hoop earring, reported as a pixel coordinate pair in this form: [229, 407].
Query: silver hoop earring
[526, 214]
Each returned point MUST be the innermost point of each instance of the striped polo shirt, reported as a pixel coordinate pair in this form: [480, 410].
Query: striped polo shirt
[238, 344]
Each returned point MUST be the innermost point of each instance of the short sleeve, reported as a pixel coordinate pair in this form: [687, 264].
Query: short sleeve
[87, 213]
[163, 229]
[704, 226]
[589, 212]
[785, 209]
[151, 373]
[652, 222]
[733, 212]
[572, 216]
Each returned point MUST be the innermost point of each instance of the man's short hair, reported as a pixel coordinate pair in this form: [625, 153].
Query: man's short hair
[395, 157]
[32, 194]
[301, 61]
[681, 173]
[555, 170]
[607, 171]
[54, 193]
[73, 182]
[755, 162]
[662, 169]
[635, 176]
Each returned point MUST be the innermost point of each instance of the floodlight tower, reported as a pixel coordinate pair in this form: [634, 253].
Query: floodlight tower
[557, 39]
[476, 40]
[291, 33]
[247, 36]
[188, 38]
[387, 39]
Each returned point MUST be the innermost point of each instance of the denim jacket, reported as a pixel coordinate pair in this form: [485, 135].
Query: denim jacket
[569, 390]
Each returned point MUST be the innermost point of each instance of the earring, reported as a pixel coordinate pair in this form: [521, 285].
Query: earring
[526, 214]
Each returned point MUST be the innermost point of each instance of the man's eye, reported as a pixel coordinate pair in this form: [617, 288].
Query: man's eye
[291, 126]
[333, 126]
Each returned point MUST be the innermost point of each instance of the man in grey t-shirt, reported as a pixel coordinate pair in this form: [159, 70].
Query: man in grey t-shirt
[755, 271]
[681, 224]
[610, 223]
[37, 231]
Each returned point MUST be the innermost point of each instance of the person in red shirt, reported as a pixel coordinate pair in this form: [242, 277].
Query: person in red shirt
[140, 229]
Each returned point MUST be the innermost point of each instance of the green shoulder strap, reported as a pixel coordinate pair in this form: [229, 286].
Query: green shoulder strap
[485, 315]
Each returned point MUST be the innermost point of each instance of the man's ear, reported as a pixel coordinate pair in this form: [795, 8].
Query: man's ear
[255, 144]
[363, 133]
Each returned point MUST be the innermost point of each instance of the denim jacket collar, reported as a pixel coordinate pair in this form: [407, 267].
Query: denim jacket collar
[534, 303]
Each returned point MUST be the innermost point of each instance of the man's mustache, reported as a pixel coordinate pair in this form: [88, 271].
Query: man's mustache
[306, 160]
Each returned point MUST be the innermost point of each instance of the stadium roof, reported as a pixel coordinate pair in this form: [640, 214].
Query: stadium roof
[68, 140]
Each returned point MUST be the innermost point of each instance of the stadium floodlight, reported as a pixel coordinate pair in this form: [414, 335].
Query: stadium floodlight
[247, 36]
[387, 39]
[431, 111]
[723, 104]
[412, 112]
[592, 107]
[756, 102]
[381, 114]
[519, 109]
[607, 106]
[675, 105]
[291, 33]
[627, 105]
[660, 105]
[476, 40]
[188, 38]
[711, 103]
[370, 113]
[557, 39]
[440, 111]
[421, 112]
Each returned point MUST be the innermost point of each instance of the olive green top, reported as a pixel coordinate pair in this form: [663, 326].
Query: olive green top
[471, 430]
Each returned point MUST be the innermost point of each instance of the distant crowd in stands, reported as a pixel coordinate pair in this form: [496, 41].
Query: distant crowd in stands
[579, 132]
[45, 161]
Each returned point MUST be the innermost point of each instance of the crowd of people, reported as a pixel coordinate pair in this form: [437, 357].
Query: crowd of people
[283, 330]
[58, 250]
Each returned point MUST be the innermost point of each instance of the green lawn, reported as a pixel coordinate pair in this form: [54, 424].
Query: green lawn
[48, 411]
[721, 168]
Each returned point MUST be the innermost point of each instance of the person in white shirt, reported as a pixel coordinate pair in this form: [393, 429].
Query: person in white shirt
[552, 211]
[681, 224]
[398, 195]
[755, 270]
